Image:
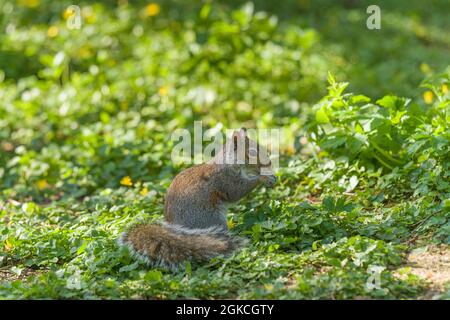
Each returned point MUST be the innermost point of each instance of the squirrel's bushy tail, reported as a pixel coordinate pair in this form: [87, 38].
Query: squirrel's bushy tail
[168, 246]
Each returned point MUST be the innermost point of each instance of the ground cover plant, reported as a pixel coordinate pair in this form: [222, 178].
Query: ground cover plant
[362, 206]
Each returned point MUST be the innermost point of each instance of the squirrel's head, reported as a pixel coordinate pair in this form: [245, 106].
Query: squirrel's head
[247, 156]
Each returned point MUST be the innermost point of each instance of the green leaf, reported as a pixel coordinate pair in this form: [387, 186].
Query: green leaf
[153, 276]
[321, 116]
[82, 247]
[353, 182]
[331, 79]
[129, 267]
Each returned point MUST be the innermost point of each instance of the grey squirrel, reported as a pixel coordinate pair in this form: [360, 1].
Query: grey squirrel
[195, 226]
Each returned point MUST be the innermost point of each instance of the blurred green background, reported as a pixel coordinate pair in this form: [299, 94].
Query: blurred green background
[136, 70]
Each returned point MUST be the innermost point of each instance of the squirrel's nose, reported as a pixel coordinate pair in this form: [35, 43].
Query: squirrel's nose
[269, 180]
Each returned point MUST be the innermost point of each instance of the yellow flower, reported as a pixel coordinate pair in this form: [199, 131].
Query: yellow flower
[68, 13]
[42, 184]
[88, 14]
[144, 192]
[8, 245]
[290, 150]
[163, 91]
[52, 31]
[152, 10]
[428, 97]
[126, 181]
[425, 68]
[29, 3]
[445, 88]
[230, 224]
[124, 105]
[268, 287]
[84, 52]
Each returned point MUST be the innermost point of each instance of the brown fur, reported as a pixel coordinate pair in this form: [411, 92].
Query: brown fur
[154, 241]
[194, 210]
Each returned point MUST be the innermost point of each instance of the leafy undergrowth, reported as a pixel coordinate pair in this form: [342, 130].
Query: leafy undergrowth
[350, 244]
[85, 152]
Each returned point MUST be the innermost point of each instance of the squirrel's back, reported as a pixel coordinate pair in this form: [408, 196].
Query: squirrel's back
[194, 199]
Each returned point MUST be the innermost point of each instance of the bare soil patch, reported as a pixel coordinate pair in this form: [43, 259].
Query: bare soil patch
[431, 263]
[6, 274]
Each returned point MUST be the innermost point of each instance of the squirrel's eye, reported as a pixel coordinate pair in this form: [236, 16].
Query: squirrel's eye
[252, 152]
